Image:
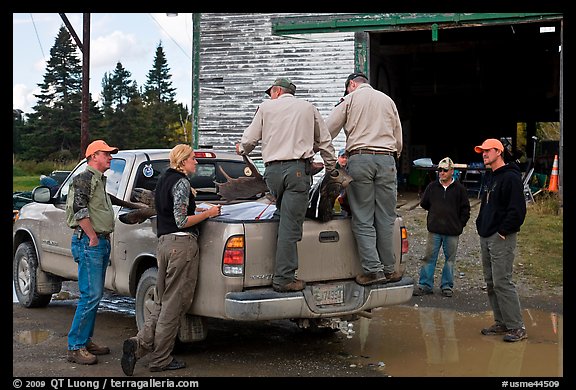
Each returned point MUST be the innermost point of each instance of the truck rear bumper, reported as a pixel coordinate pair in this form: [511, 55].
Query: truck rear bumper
[267, 304]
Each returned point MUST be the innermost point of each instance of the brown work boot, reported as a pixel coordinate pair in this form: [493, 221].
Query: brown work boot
[371, 278]
[296, 285]
[81, 356]
[96, 349]
[393, 277]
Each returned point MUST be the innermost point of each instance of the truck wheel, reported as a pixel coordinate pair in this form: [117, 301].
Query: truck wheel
[192, 328]
[145, 295]
[24, 274]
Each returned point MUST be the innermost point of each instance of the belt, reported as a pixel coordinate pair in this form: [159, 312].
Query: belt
[80, 233]
[284, 161]
[368, 151]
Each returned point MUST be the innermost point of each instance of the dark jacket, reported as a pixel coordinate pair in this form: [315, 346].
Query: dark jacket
[503, 206]
[164, 202]
[448, 209]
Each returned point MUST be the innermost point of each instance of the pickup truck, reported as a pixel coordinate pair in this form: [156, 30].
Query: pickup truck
[236, 255]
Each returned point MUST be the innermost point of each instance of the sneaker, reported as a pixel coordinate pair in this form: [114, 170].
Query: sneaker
[495, 329]
[393, 277]
[81, 356]
[516, 335]
[128, 360]
[371, 278]
[447, 293]
[96, 349]
[296, 285]
[174, 365]
[419, 291]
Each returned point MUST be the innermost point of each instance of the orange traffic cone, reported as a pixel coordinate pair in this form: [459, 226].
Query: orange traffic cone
[553, 186]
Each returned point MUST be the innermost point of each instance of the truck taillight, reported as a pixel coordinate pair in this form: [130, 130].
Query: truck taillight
[404, 240]
[233, 259]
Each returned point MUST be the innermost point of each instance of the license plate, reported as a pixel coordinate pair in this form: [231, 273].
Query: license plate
[328, 294]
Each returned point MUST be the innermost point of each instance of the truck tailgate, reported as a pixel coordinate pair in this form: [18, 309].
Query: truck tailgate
[328, 245]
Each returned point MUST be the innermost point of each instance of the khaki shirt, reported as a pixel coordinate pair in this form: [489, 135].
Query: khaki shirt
[370, 121]
[87, 198]
[290, 129]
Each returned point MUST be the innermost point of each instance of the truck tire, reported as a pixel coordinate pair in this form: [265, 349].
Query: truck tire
[192, 328]
[24, 274]
[145, 295]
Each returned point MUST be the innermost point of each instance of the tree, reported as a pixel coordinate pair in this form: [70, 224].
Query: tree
[118, 89]
[162, 113]
[54, 127]
[158, 87]
[18, 122]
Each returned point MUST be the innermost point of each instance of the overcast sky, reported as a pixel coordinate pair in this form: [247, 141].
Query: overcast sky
[131, 39]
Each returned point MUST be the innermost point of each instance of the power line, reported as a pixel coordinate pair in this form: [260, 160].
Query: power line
[38, 38]
[173, 40]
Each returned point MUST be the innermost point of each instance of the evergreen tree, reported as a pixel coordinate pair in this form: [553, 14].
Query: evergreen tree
[162, 113]
[158, 87]
[18, 122]
[118, 89]
[54, 128]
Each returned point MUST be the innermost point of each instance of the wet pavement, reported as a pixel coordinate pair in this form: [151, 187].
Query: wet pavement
[406, 341]
[399, 341]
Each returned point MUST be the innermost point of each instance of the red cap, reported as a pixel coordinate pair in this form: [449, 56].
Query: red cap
[100, 146]
[489, 144]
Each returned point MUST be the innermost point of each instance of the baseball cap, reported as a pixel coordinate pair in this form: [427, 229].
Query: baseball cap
[352, 76]
[489, 144]
[100, 146]
[342, 152]
[283, 82]
[446, 163]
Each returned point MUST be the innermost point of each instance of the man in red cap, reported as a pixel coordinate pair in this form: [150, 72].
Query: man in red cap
[501, 214]
[89, 212]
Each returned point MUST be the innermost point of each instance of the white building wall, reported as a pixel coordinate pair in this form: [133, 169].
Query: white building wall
[240, 59]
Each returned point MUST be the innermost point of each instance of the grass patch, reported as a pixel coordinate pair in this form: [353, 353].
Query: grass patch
[541, 241]
[25, 183]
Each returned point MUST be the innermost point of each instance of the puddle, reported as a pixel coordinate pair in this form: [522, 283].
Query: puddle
[408, 341]
[32, 337]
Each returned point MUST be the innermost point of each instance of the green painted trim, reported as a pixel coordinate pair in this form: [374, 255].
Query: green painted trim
[396, 22]
[195, 78]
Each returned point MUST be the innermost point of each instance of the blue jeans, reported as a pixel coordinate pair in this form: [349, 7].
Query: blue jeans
[449, 245]
[92, 264]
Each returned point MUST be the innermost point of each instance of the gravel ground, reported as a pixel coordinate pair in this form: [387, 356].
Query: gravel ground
[469, 286]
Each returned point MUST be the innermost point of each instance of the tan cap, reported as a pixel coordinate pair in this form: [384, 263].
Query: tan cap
[100, 146]
[490, 143]
[446, 163]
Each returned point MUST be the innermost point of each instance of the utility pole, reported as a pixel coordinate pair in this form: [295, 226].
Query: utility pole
[85, 49]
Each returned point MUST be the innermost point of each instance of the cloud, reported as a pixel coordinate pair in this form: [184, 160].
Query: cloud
[23, 97]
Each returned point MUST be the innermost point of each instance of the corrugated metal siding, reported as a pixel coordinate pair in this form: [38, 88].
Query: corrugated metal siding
[239, 60]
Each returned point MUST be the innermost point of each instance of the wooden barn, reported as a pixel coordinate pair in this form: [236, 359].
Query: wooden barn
[457, 78]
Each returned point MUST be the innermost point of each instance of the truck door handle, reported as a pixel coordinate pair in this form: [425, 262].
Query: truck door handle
[329, 236]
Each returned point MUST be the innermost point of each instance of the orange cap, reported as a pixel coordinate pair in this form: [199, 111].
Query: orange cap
[489, 144]
[100, 146]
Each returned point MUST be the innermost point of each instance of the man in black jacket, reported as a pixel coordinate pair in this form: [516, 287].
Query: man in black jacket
[448, 206]
[501, 214]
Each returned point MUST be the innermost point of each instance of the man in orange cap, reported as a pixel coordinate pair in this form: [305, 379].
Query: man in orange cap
[89, 212]
[501, 214]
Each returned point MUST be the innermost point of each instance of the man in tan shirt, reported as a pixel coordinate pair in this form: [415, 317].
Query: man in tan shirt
[291, 130]
[373, 141]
